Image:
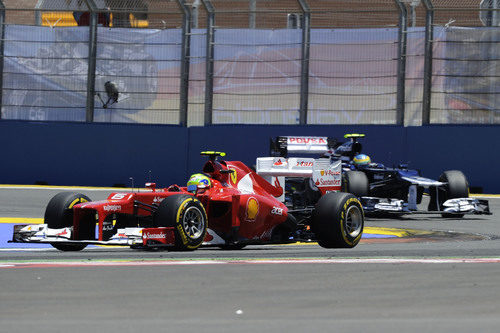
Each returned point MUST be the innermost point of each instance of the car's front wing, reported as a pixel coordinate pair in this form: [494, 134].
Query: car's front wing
[41, 233]
[457, 206]
[134, 237]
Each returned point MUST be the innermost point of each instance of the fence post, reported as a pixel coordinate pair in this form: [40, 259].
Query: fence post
[429, 35]
[38, 14]
[185, 54]
[304, 82]
[2, 48]
[209, 75]
[89, 117]
[195, 13]
[252, 8]
[402, 42]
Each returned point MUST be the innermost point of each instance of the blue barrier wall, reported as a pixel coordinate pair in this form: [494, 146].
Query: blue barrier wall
[91, 154]
[104, 154]
[472, 149]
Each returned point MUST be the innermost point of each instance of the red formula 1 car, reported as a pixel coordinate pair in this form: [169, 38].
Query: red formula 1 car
[229, 206]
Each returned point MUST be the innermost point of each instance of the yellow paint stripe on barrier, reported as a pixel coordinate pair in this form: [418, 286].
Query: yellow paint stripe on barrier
[485, 195]
[21, 220]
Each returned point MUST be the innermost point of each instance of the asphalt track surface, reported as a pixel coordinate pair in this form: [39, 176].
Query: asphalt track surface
[445, 282]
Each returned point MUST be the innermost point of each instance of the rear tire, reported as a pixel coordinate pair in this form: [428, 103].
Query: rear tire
[59, 214]
[338, 220]
[355, 182]
[186, 214]
[457, 187]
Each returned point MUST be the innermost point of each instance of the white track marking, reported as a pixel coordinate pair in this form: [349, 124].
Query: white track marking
[104, 263]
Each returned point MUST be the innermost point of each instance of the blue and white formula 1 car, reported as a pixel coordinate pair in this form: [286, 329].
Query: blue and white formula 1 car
[382, 190]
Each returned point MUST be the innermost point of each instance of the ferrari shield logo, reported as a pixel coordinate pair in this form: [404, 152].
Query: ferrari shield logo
[252, 209]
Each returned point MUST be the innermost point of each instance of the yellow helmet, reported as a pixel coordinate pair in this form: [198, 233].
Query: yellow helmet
[197, 181]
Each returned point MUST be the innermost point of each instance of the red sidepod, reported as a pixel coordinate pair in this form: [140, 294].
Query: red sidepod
[243, 200]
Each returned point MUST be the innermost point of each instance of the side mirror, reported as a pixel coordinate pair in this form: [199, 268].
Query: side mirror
[152, 186]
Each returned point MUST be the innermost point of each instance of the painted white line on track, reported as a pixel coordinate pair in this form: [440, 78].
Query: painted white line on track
[105, 263]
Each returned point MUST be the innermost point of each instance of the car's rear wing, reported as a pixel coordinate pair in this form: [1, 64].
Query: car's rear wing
[286, 167]
[282, 145]
[326, 176]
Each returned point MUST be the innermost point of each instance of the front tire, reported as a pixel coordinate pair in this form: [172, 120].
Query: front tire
[457, 187]
[59, 214]
[186, 214]
[355, 182]
[338, 220]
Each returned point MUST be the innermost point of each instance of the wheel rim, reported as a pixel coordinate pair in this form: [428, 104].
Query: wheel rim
[193, 222]
[353, 221]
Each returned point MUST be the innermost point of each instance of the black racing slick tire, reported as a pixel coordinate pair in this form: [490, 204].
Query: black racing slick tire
[457, 187]
[59, 214]
[187, 215]
[338, 220]
[355, 182]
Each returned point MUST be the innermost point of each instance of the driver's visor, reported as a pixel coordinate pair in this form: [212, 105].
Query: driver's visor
[192, 188]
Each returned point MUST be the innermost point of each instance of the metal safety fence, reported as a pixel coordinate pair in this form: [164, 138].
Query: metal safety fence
[202, 62]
